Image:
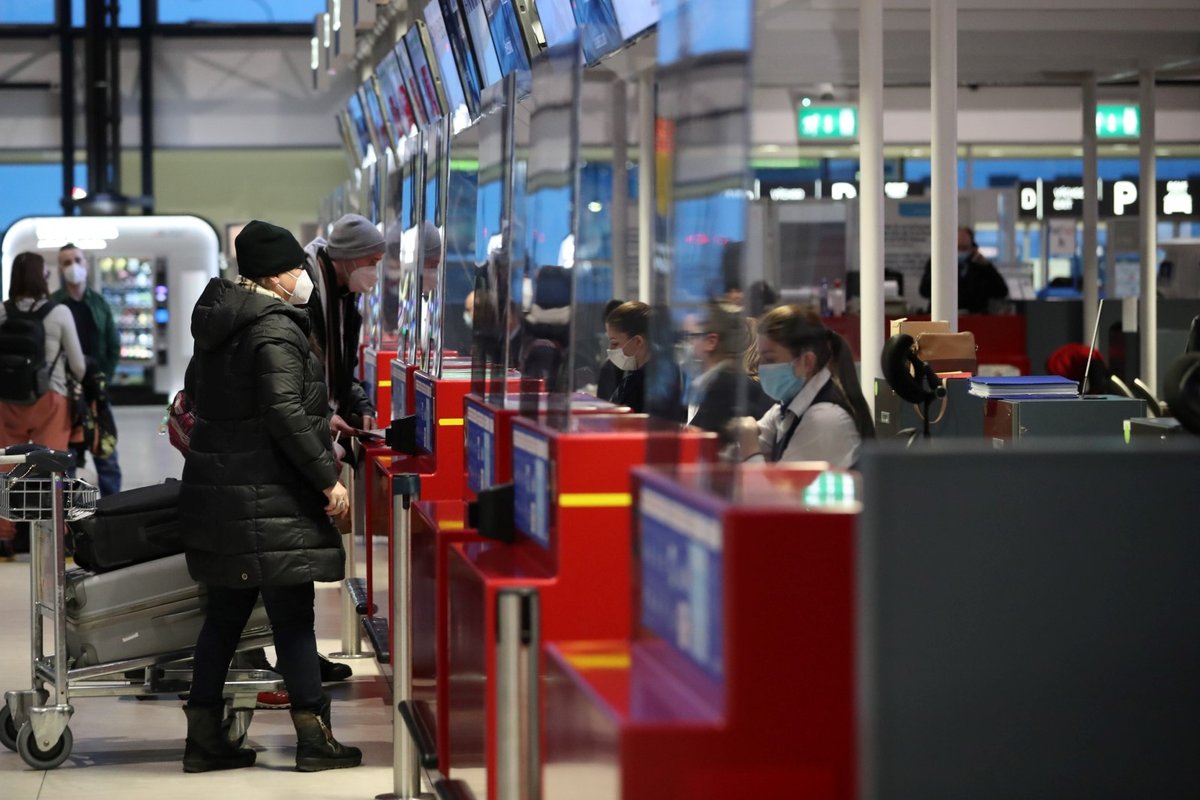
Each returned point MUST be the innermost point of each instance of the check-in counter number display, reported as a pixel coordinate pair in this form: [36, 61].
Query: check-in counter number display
[531, 476]
[423, 400]
[481, 449]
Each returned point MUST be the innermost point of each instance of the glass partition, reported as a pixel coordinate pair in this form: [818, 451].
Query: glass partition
[545, 191]
[487, 303]
[458, 237]
[430, 244]
[699, 338]
[403, 239]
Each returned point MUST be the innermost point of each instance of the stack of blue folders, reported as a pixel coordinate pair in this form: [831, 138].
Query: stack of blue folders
[1024, 387]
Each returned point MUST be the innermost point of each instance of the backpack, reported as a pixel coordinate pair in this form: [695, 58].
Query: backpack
[24, 373]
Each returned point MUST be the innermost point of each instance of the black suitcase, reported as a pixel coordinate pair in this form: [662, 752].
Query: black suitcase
[129, 528]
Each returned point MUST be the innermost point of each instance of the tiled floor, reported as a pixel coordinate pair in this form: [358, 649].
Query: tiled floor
[132, 749]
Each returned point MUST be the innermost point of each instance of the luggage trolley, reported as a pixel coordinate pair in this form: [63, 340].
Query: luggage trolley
[40, 492]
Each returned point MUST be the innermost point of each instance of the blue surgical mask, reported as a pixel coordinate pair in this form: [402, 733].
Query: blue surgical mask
[779, 381]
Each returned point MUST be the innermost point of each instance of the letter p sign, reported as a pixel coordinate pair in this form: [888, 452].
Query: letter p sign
[1125, 194]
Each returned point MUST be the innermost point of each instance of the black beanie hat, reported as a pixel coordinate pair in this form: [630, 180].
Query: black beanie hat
[264, 250]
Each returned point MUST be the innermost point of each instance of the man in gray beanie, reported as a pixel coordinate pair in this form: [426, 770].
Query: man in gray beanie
[344, 265]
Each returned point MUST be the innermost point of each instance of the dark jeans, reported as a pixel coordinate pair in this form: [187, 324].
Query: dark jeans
[108, 474]
[292, 618]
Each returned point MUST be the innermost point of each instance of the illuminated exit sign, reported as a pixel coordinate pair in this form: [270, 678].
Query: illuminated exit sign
[828, 122]
[1118, 122]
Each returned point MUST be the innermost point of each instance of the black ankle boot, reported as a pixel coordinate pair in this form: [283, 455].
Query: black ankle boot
[316, 749]
[332, 671]
[207, 747]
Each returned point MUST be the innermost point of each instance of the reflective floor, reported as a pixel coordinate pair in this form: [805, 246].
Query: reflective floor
[130, 749]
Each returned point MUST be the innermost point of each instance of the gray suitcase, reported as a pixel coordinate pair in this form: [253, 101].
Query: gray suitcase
[142, 610]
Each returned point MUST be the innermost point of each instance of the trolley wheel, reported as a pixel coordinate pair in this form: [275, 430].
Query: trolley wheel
[38, 758]
[8, 728]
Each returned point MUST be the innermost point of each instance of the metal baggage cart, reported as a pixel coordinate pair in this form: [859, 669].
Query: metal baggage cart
[39, 491]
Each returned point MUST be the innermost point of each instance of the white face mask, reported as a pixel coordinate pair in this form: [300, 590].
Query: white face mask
[75, 274]
[363, 279]
[621, 361]
[467, 318]
[304, 286]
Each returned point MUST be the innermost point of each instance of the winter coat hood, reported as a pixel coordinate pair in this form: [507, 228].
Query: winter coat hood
[224, 309]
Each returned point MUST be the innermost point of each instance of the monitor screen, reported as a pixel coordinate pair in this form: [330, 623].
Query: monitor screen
[635, 16]
[349, 139]
[395, 95]
[439, 39]
[601, 33]
[379, 123]
[468, 67]
[410, 81]
[424, 73]
[359, 126]
[506, 35]
[558, 20]
[481, 40]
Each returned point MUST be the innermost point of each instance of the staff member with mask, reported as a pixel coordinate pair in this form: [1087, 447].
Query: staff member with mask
[655, 391]
[980, 284]
[820, 412]
[341, 267]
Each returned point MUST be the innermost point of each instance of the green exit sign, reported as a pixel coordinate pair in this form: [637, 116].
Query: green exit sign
[1118, 122]
[829, 122]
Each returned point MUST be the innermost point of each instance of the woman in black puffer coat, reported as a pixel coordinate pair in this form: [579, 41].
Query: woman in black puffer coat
[258, 487]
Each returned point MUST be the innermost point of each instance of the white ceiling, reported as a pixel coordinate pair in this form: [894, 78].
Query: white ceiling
[1001, 42]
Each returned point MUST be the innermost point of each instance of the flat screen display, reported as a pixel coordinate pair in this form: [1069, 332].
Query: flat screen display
[635, 16]
[558, 20]
[395, 95]
[379, 124]
[506, 35]
[427, 87]
[360, 128]
[410, 81]
[468, 67]
[602, 35]
[481, 40]
[439, 39]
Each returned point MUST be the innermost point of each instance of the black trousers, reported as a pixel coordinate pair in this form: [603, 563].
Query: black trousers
[290, 609]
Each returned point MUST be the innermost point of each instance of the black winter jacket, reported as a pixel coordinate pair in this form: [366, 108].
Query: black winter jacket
[252, 502]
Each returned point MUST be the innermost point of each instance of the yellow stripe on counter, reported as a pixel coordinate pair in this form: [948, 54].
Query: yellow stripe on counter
[384, 384]
[456, 422]
[595, 500]
[599, 661]
[451, 524]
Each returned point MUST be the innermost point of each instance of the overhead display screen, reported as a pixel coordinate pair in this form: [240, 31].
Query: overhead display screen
[635, 17]
[426, 84]
[558, 21]
[439, 40]
[481, 40]
[464, 56]
[395, 95]
[601, 33]
[360, 127]
[379, 123]
[506, 35]
[410, 81]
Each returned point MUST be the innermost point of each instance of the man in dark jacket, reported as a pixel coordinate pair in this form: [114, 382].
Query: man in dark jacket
[979, 282]
[343, 267]
[259, 485]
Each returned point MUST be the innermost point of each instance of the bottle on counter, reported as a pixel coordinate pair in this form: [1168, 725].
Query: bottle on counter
[824, 296]
[837, 299]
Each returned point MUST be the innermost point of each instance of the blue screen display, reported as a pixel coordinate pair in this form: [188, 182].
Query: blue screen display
[481, 449]
[423, 73]
[481, 39]
[682, 580]
[423, 400]
[362, 130]
[410, 81]
[439, 39]
[558, 21]
[468, 68]
[601, 33]
[531, 480]
[395, 94]
[506, 35]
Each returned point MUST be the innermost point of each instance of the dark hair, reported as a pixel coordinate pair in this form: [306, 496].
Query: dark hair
[631, 319]
[800, 329]
[611, 306]
[28, 277]
[762, 298]
[970, 233]
[68, 246]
